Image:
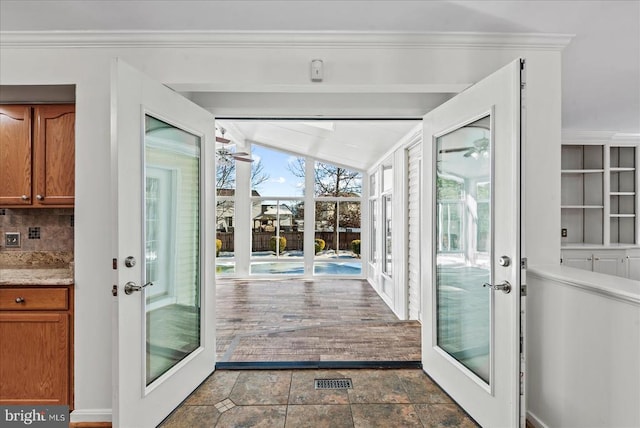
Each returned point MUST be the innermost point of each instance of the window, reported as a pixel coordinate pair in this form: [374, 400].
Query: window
[387, 210]
[225, 209]
[277, 212]
[338, 217]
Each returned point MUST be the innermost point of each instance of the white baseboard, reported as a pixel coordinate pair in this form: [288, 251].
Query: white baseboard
[536, 421]
[91, 415]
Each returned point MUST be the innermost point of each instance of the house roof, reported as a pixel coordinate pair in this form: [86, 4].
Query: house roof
[232, 192]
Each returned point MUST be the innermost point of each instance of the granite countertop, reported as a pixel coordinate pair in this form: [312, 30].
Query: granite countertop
[36, 268]
[28, 275]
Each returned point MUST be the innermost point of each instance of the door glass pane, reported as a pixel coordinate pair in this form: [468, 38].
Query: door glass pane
[172, 241]
[464, 245]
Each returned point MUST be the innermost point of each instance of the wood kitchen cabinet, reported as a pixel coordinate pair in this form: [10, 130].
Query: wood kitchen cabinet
[36, 330]
[37, 155]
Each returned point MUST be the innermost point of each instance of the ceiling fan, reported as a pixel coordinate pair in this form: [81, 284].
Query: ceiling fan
[479, 148]
[227, 155]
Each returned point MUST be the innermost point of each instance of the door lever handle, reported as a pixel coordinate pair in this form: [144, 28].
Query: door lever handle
[505, 286]
[131, 287]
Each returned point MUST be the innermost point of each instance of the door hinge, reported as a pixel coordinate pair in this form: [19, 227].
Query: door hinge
[523, 290]
[114, 291]
[114, 263]
[524, 263]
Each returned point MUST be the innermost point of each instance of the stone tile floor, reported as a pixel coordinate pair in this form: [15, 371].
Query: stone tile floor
[288, 398]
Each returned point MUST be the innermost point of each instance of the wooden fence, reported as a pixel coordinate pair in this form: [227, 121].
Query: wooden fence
[295, 240]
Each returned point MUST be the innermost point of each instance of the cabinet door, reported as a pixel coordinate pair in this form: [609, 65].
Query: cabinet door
[578, 259]
[633, 265]
[15, 155]
[55, 155]
[610, 263]
[35, 358]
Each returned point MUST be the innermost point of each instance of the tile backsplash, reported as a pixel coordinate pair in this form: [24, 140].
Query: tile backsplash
[48, 229]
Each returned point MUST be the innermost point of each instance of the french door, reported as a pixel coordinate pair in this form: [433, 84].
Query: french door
[471, 333]
[164, 293]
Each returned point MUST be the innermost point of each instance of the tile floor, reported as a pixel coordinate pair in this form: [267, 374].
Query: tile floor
[288, 398]
[309, 320]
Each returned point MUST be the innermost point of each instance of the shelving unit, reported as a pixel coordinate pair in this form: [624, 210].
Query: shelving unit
[599, 205]
[599, 194]
[623, 201]
[582, 200]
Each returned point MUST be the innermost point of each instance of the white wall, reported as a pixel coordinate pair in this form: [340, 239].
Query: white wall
[583, 349]
[354, 64]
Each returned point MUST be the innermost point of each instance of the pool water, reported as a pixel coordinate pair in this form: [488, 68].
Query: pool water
[323, 268]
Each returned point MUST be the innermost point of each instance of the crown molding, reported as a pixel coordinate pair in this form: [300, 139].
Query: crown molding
[168, 39]
[581, 136]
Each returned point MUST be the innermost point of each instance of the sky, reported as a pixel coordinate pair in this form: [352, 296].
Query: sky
[281, 181]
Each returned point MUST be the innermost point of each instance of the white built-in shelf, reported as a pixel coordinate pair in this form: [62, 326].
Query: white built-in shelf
[599, 203]
[582, 171]
[620, 169]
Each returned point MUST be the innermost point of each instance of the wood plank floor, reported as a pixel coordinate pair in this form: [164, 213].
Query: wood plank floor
[319, 320]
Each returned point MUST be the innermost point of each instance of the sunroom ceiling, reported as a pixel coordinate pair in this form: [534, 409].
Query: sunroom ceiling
[356, 144]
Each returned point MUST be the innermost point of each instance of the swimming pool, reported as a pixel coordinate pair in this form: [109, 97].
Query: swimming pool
[297, 268]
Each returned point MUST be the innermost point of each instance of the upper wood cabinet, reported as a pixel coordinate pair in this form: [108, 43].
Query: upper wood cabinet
[37, 155]
[15, 155]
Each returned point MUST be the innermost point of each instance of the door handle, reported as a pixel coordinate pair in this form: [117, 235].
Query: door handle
[131, 287]
[505, 286]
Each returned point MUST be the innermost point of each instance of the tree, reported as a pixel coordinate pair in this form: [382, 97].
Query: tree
[330, 180]
[226, 183]
[226, 173]
[333, 181]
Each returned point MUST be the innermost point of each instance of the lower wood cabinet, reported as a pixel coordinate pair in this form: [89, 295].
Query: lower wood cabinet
[36, 353]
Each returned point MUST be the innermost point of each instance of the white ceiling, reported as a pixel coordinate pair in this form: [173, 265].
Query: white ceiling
[601, 66]
[355, 144]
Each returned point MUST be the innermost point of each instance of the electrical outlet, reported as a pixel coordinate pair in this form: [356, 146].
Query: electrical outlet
[564, 233]
[12, 239]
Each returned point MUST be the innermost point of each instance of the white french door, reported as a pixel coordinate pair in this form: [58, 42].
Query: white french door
[471, 329]
[164, 229]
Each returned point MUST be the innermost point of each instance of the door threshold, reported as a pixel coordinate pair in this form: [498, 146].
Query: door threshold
[298, 365]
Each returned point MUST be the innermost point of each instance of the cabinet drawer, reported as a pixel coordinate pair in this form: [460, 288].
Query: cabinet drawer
[25, 299]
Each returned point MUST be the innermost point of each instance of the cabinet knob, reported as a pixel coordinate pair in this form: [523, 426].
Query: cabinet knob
[24, 197]
[40, 197]
[20, 300]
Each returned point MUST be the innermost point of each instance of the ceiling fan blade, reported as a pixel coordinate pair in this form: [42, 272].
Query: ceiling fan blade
[457, 149]
[222, 140]
[241, 153]
[238, 158]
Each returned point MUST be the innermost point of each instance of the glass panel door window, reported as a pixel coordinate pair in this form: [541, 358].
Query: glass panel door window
[172, 236]
[277, 236]
[463, 248]
[337, 237]
[225, 235]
